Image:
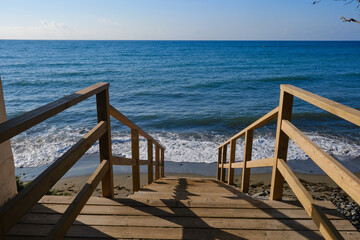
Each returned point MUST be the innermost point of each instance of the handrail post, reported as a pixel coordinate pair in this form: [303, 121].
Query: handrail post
[162, 163]
[223, 161]
[231, 160]
[281, 145]
[247, 157]
[150, 158]
[135, 155]
[218, 165]
[103, 114]
[157, 158]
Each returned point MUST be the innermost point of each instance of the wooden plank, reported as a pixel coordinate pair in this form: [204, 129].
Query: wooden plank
[123, 161]
[281, 145]
[116, 232]
[105, 152]
[143, 162]
[123, 119]
[233, 203]
[258, 123]
[218, 171]
[16, 125]
[72, 212]
[162, 163]
[135, 155]
[223, 162]
[327, 229]
[14, 209]
[179, 189]
[184, 211]
[247, 157]
[231, 160]
[157, 160]
[337, 172]
[350, 114]
[235, 165]
[175, 194]
[296, 186]
[128, 161]
[266, 162]
[187, 222]
[150, 166]
[7, 166]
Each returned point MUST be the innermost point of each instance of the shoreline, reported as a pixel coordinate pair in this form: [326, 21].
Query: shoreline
[87, 164]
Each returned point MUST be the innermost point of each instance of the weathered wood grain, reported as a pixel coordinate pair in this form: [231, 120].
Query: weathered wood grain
[72, 212]
[16, 125]
[337, 172]
[13, 210]
[350, 114]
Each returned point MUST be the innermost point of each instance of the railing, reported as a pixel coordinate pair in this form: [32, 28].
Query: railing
[18, 206]
[247, 164]
[135, 161]
[281, 171]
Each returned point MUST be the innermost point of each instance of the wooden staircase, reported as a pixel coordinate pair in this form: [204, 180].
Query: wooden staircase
[181, 208]
[178, 208]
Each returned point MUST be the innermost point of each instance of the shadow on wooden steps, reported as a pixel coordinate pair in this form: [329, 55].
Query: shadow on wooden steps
[181, 208]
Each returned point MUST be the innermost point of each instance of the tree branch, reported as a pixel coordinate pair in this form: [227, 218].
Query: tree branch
[349, 20]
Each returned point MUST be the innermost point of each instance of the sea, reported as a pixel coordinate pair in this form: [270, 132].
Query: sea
[190, 95]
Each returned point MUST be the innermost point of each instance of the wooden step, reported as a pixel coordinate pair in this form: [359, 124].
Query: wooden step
[179, 208]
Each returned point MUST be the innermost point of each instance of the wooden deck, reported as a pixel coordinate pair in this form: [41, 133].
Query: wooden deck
[180, 208]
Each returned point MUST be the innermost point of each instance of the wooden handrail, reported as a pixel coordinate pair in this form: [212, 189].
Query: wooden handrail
[265, 162]
[123, 119]
[16, 125]
[123, 161]
[337, 172]
[13, 210]
[258, 123]
[326, 228]
[134, 161]
[285, 130]
[69, 216]
[350, 114]
[129, 161]
[247, 164]
[17, 207]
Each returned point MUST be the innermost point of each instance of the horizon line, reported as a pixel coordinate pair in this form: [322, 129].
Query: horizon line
[179, 40]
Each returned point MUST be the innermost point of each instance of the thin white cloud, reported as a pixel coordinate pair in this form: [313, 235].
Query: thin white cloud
[108, 21]
[44, 30]
[54, 27]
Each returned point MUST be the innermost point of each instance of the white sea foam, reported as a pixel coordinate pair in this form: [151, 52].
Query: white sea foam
[38, 148]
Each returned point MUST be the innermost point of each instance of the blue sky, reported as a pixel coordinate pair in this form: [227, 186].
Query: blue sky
[178, 20]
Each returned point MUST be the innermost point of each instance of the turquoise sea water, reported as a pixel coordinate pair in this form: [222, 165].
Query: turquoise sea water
[191, 95]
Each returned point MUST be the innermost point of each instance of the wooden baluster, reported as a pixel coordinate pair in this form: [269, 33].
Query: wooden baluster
[150, 158]
[281, 145]
[157, 162]
[162, 162]
[135, 155]
[223, 161]
[218, 170]
[247, 157]
[231, 160]
[103, 114]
